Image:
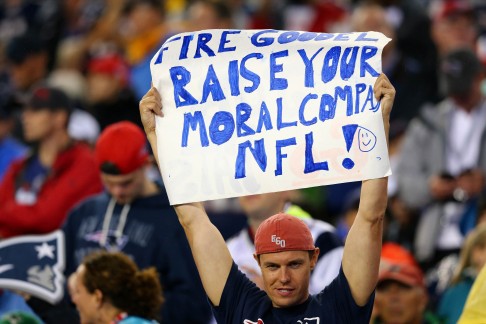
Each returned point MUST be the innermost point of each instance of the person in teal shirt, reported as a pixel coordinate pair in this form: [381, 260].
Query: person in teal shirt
[109, 288]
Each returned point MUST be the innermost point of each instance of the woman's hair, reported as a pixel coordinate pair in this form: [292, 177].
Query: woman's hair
[476, 238]
[136, 292]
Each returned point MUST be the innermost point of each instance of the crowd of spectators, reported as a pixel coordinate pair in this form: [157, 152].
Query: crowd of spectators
[70, 70]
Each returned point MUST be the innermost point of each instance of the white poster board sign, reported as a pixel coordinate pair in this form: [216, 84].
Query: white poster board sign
[256, 111]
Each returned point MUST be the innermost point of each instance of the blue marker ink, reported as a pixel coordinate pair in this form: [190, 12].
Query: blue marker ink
[280, 156]
[310, 165]
[258, 153]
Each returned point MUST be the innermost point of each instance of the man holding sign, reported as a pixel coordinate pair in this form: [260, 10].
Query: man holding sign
[285, 252]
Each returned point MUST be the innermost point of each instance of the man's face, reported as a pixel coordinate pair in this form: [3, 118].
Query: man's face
[204, 16]
[453, 32]
[102, 88]
[32, 69]
[286, 276]
[398, 303]
[142, 19]
[264, 205]
[124, 188]
[38, 124]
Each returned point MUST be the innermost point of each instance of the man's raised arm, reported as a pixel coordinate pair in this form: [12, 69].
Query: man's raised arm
[361, 258]
[208, 247]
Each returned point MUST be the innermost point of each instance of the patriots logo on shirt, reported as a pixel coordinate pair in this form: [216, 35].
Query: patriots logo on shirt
[260, 321]
[34, 264]
[112, 243]
[313, 320]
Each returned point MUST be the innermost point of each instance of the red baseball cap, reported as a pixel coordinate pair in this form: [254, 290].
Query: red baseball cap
[121, 148]
[448, 8]
[395, 253]
[112, 65]
[283, 232]
[405, 273]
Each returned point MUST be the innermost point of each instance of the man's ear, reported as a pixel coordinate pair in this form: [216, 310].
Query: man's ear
[257, 258]
[314, 258]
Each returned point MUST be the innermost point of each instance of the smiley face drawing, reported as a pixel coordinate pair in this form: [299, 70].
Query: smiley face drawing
[366, 139]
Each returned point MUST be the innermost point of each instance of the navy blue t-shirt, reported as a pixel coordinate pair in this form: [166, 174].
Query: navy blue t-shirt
[243, 302]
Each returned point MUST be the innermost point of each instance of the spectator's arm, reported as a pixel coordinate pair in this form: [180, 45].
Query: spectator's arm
[362, 249]
[208, 247]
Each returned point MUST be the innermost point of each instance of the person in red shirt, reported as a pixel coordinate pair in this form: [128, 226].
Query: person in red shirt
[39, 190]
